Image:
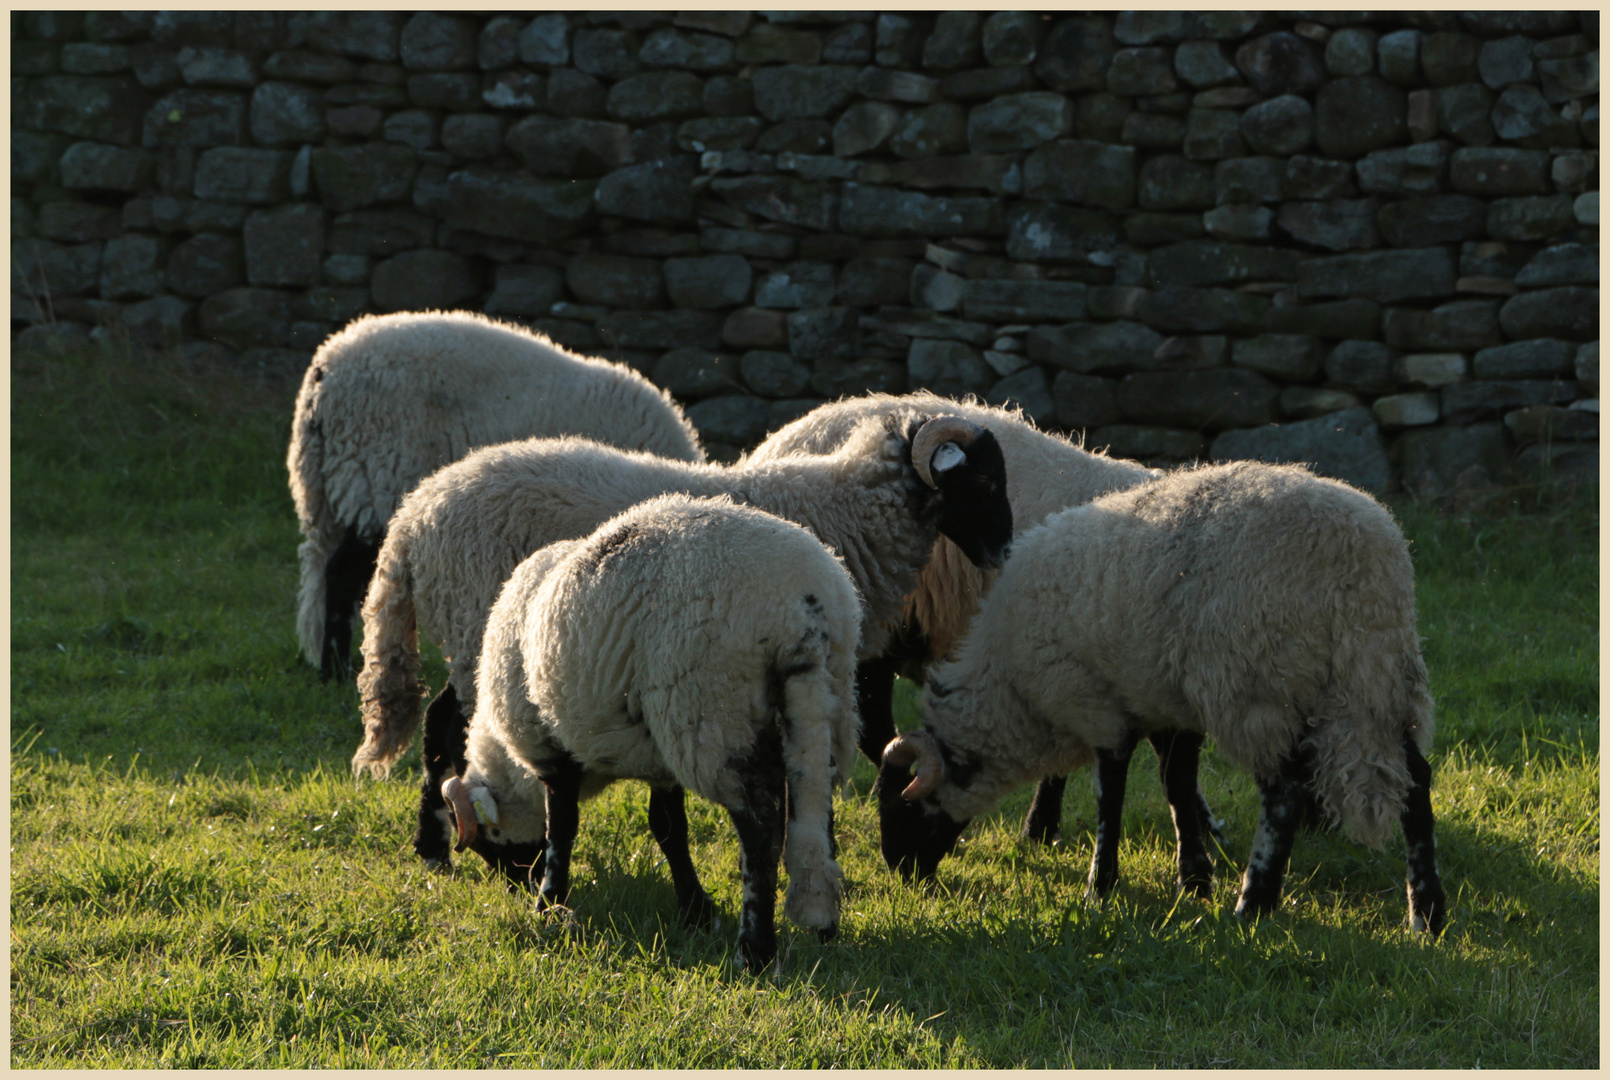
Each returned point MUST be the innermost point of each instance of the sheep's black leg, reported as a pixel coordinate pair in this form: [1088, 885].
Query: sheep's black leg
[1428, 904]
[346, 580]
[446, 729]
[1212, 825]
[668, 821]
[759, 821]
[563, 782]
[1177, 754]
[1271, 846]
[1112, 775]
[874, 692]
[1045, 813]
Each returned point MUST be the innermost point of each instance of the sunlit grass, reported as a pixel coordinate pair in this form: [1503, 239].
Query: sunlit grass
[197, 882]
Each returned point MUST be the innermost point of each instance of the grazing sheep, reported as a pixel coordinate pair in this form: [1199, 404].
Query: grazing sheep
[1261, 605]
[1044, 473]
[879, 502]
[690, 643]
[389, 399]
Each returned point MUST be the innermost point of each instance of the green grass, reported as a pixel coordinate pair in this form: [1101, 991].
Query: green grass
[196, 881]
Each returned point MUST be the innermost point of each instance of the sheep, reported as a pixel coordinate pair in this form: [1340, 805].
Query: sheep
[390, 398]
[1261, 605]
[1044, 473]
[879, 501]
[691, 643]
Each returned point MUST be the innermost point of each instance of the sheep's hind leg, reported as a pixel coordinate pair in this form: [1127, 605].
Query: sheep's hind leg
[668, 821]
[759, 821]
[446, 730]
[1111, 777]
[563, 784]
[1177, 755]
[1428, 904]
[1271, 846]
[1044, 818]
[346, 580]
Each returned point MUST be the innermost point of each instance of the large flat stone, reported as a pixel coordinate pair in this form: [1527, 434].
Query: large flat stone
[880, 211]
[1004, 300]
[1345, 445]
[519, 206]
[1214, 399]
[1082, 171]
[1384, 276]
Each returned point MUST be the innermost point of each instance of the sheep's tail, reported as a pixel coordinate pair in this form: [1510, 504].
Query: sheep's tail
[389, 683]
[1379, 693]
[813, 711]
[305, 463]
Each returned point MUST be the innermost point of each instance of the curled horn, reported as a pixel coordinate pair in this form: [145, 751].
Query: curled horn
[458, 797]
[935, 433]
[923, 748]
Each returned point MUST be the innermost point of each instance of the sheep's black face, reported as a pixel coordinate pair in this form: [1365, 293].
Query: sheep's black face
[973, 511]
[915, 835]
[519, 862]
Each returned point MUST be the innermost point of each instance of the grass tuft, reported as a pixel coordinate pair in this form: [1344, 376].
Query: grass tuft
[197, 882]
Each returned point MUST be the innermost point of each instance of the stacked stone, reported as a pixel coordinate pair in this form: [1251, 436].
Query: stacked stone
[1366, 238]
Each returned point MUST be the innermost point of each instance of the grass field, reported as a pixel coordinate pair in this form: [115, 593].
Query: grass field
[196, 881]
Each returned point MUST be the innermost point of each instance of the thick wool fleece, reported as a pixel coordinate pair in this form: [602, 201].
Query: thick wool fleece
[659, 648]
[458, 536]
[391, 398]
[1044, 473]
[1260, 604]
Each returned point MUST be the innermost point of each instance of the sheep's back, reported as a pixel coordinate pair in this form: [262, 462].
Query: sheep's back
[657, 646]
[403, 395]
[1201, 595]
[467, 526]
[1044, 473]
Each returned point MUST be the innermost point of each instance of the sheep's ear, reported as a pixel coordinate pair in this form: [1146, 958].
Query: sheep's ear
[947, 457]
[486, 807]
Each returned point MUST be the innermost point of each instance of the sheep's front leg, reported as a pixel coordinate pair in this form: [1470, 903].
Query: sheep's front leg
[759, 821]
[874, 693]
[1271, 846]
[446, 731]
[1177, 756]
[1045, 812]
[563, 784]
[668, 821]
[1111, 777]
[1428, 904]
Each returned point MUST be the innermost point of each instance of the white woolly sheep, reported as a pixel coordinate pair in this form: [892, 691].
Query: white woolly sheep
[1268, 608]
[690, 643]
[879, 502]
[1045, 473]
[389, 399]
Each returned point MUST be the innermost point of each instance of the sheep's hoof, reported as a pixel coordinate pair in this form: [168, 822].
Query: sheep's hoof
[1250, 911]
[1427, 914]
[755, 955]
[1036, 832]
[1196, 878]
[700, 913]
[827, 933]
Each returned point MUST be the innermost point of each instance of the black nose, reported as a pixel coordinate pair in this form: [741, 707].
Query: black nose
[995, 557]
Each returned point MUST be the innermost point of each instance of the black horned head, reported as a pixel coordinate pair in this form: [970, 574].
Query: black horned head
[520, 860]
[914, 833]
[963, 463]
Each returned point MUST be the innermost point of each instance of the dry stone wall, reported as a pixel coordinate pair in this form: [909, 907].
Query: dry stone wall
[1368, 239]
